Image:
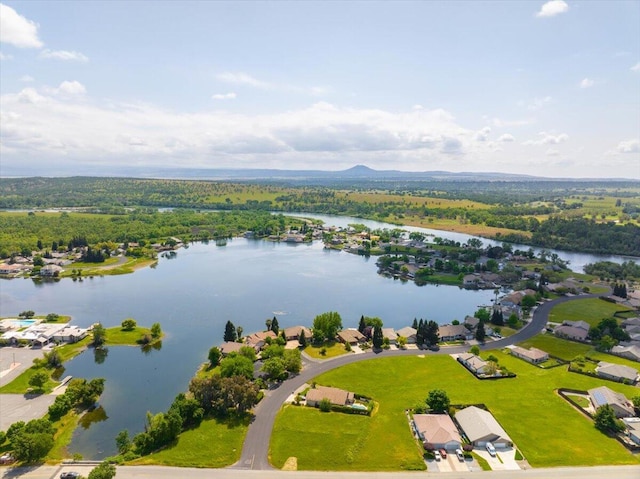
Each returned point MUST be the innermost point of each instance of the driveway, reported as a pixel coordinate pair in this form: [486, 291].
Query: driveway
[14, 361]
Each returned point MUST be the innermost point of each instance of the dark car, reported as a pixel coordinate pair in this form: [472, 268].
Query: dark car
[70, 475]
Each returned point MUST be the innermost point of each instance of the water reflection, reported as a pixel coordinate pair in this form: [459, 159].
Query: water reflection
[93, 416]
[100, 354]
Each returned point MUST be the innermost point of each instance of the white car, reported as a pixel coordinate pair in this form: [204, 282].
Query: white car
[491, 450]
[437, 455]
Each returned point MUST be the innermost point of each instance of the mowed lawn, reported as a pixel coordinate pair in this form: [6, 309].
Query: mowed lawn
[591, 310]
[545, 428]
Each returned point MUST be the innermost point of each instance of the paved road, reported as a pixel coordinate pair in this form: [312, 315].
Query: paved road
[256, 445]
[161, 472]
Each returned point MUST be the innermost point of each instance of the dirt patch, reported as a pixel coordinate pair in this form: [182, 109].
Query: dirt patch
[291, 464]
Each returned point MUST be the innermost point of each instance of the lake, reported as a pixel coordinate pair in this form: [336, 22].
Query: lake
[194, 294]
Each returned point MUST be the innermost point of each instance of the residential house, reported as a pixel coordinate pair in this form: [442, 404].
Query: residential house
[50, 270]
[575, 330]
[390, 334]
[70, 334]
[474, 363]
[625, 324]
[437, 430]
[617, 372]
[10, 268]
[602, 395]
[351, 336]
[338, 397]
[454, 332]
[231, 347]
[633, 428]
[630, 352]
[481, 427]
[259, 339]
[294, 333]
[470, 280]
[471, 322]
[409, 333]
[532, 355]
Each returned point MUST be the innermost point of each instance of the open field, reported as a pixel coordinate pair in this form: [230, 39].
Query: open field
[213, 444]
[591, 310]
[333, 349]
[547, 430]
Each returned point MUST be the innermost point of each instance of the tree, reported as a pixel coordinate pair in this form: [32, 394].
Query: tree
[31, 441]
[378, 338]
[38, 380]
[414, 325]
[302, 339]
[99, 335]
[475, 350]
[513, 320]
[129, 324]
[53, 359]
[274, 368]
[236, 365]
[239, 331]
[292, 360]
[123, 443]
[528, 301]
[27, 314]
[438, 401]
[324, 405]
[481, 334]
[214, 356]
[483, 315]
[327, 325]
[605, 419]
[497, 317]
[156, 330]
[275, 327]
[606, 343]
[431, 334]
[636, 404]
[362, 325]
[402, 342]
[267, 323]
[104, 470]
[52, 317]
[230, 334]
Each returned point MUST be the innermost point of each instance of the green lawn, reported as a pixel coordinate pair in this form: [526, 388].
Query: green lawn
[547, 430]
[591, 310]
[20, 385]
[334, 348]
[117, 336]
[213, 444]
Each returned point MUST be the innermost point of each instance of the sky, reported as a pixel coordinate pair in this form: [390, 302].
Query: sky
[541, 88]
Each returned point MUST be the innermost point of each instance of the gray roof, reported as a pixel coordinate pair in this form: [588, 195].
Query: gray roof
[603, 395]
[406, 332]
[480, 425]
[617, 370]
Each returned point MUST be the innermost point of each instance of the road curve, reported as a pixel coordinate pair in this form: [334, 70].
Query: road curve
[255, 451]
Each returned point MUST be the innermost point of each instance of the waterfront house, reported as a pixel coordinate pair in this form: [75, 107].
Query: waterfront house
[351, 336]
[454, 332]
[409, 333]
[390, 334]
[294, 332]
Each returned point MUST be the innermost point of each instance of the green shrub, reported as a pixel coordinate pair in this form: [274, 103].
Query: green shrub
[325, 405]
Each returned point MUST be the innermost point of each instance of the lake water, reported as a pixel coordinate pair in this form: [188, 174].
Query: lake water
[193, 295]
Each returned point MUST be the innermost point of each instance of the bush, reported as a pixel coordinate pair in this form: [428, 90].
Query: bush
[129, 324]
[325, 405]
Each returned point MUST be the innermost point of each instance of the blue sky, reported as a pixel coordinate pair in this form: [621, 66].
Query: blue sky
[550, 89]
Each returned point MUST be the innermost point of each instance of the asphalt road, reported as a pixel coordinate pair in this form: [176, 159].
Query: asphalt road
[256, 445]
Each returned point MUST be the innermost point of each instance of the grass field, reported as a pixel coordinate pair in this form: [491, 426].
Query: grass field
[334, 348]
[213, 444]
[591, 310]
[547, 430]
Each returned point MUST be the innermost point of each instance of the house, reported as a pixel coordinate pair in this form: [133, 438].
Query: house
[10, 268]
[70, 334]
[50, 270]
[481, 427]
[230, 347]
[571, 332]
[474, 363]
[532, 355]
[629, 352]
[351, 336]
[338, 397]
[470, 280]
[625, 324]
[409, 333]
[617, 372]
[259, 339]
[633, 428]
[390, 334]
[294, 332]
[454, 332]
[438, 430]
[621, 406]
[577, 324]
[471, 322]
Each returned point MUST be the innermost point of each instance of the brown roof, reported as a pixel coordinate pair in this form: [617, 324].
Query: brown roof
[351, 336]
[534, 354]
[261, 336]
[339, 397]
[437, 428]
[295, 331]
[230, 347]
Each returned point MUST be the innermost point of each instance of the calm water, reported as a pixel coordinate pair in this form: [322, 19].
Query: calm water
[193, 296]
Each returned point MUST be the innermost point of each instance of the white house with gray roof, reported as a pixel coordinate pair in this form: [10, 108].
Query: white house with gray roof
[481, 427]
[617, 372]
[601, 396]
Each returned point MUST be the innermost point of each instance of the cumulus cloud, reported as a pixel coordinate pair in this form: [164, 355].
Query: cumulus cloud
[586, 83]
[64, 55]
[17, 30]
[547, 139]
[483, 134]
[636, 67]
[506, 138]
[71, 88]
[240, 78]
[628, 146]
[552, 8]
[223, 96]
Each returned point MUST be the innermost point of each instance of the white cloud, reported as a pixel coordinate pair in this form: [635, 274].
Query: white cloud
[27, 79]
[552, 152]
[64, 55]
[240, 78]
[628, 146]
[636, 67]
[5, 56]
[547, 139]
[18, 30]
[553, 8]
[586, 83]
[71, 88]
[483, 134]
[224, 96]
[506, 138]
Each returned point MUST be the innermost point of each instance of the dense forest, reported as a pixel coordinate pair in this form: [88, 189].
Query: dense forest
[589, 216]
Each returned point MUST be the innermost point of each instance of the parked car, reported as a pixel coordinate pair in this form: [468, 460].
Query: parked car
[443, 453]
[490, 449]
[459, 454]
[437, 455]
[70, 475]
[6, 459]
